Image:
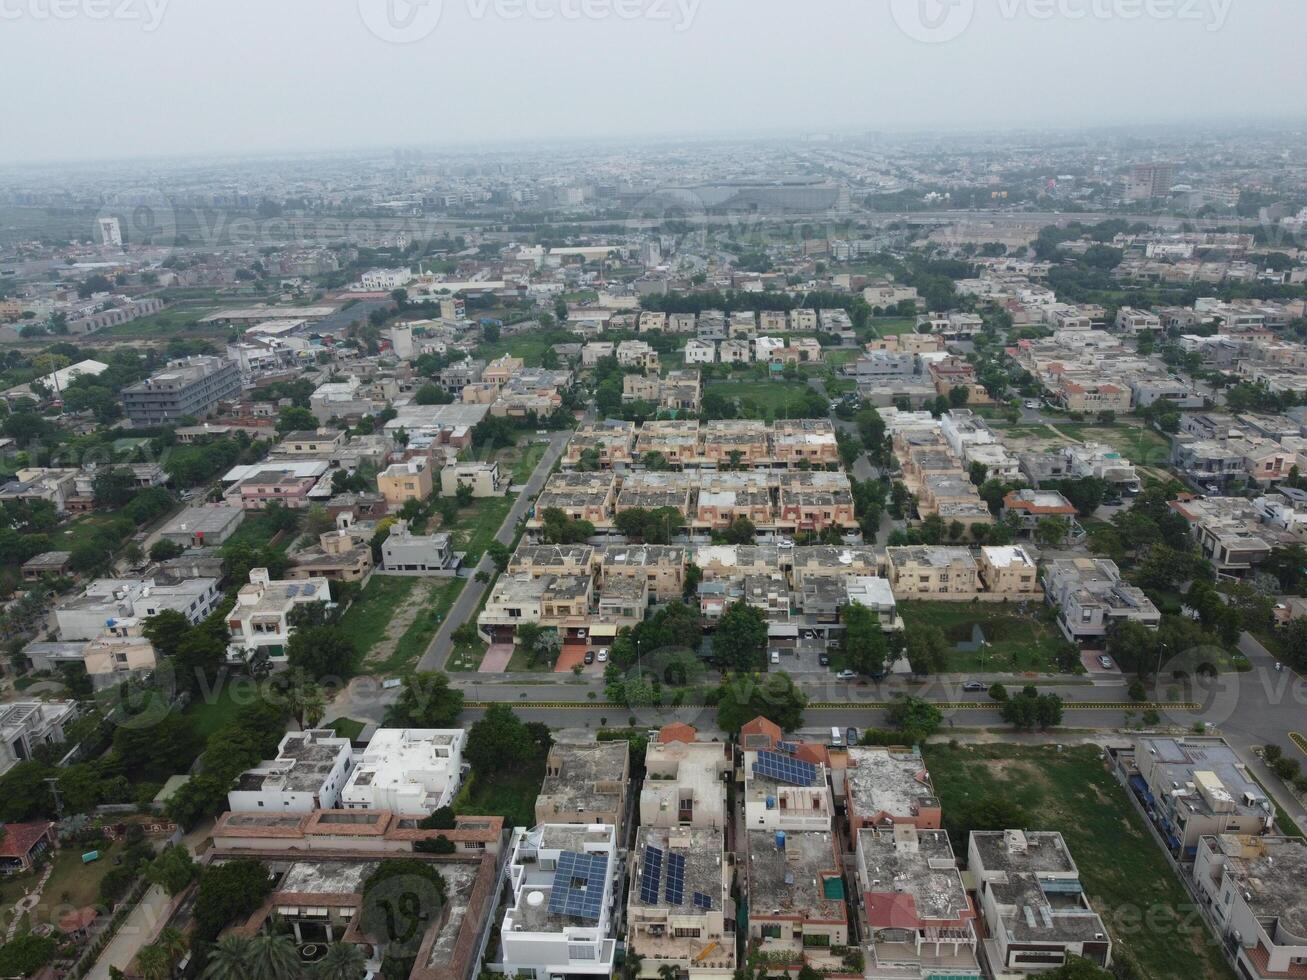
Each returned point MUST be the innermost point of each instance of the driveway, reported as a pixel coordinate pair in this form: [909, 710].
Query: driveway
[135, 931]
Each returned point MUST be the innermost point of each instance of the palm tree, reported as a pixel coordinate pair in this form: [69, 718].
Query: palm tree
[342, 961]
[669, 972]
[231, 959]
[307, 703]
[173, 942]
[274, 958]
[631, 965]
[154, 963]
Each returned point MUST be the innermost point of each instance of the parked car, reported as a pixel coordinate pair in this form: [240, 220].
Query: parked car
[823, 659]
[846, 675]
[589, 657]
[974, 686]
[603, 655]
[851, 736]
[1105, 662]
[775, 656]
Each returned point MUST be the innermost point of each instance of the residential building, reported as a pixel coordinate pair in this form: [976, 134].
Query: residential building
[311, 442]
[560, 916]
[379, 832]
[1229, 532]
[498, 371]
[188, 388]
[203, 525]
[580, 496]
[888, 786]
[585, 783]
[680, 913]
[1255, 892]
[408, 771]
[23, 844]
[401, 482]
[307, 774]
[1091, 597]
[1008, 570]
[27, 725]
[406, 553]
[608, 443]
[111, 658]
[56, 564]
[684, 780]
[786, 787]
[55, 486]
[287, 486]
[660, 567]
[699, 352]
[796, 895]
[485, 479]
[117, 603]
[1033, 904]
[260, 620]
[1034, 506]
[918, 920]
[1195, 786]
[936, 571]
[343, 555]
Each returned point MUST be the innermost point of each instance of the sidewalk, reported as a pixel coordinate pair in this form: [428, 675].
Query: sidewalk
[136, 930]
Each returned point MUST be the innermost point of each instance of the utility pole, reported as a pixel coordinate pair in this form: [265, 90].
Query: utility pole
[53, 781]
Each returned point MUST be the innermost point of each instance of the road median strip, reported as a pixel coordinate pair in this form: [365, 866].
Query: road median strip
[853, 705]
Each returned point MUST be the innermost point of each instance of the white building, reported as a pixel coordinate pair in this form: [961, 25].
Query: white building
[26, 725]
[307, 774]
[260, 620]
[111, 602]
[410, 771]
[384, 280]
[700, 352]
[560, 910]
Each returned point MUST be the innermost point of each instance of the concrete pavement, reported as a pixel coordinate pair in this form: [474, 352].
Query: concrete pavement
[469, 600]
[135, 931]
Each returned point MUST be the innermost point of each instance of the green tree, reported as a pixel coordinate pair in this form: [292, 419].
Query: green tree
[926, 648]
[25, 954]
[274, 957]
[916, 718]
[321, 651]
[863, 641]
[232, 958]
[427, 701]
[226, 891]
[740, 643]
[498, 741]
[745, 696]
[173, 869]
[342, 961]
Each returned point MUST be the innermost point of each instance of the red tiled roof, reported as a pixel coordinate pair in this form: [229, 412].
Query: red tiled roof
[761, 726]
[20, 838]
[677, 732]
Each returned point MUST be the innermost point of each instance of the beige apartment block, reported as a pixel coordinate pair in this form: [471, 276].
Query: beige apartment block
[402, 482]
[585, 783]
[932, 572]
[612, 441]
[660, 567]
[501, 369]
[484, 479]
[580, 496]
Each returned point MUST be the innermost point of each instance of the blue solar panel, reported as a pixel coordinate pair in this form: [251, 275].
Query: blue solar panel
[675, 879]
[702, 901]
[790, 747]
[783, 769]
[651, 874]
[579, 885]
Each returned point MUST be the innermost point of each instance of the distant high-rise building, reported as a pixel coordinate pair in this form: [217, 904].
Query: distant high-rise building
[111, 231]
[1149, 180]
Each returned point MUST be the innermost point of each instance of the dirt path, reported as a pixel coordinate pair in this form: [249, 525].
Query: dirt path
[399, 623]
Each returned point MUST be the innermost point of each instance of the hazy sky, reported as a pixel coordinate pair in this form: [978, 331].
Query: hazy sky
[269, 75]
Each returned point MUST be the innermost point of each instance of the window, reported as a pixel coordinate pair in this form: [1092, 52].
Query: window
[771, 931]
[687, 933]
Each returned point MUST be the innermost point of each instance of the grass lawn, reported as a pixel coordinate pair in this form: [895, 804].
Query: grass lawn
[778, 399]
[511, 795]
[413, 644]
[256, 531]
[1016, 642]
[347, 727]
[1134, 442]
[1148, 912]
[839, 356]
[892, 325]
[365, 620]
[208, 714]
[530, 346]
[74, 883]
[477, 525]
[175, 321]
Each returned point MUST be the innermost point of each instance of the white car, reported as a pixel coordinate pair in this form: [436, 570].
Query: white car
[775, 656]
[602, 656]
[846, 675]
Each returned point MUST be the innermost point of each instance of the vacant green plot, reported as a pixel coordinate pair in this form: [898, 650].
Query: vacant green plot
[440, 596]
[527, 461]
[838, 356]
[893, 325]
[1033, 432]
[364, 623]
[175, 321]
[529, 346]
[1152, 919]
[210, 712]
[1015, 642]
[477, 524]
[256, 531]
[776, 399]
[1136, 443]
[511, 795]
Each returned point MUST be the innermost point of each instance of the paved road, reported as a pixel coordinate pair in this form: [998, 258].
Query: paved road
[135, 931]
[470, 598]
